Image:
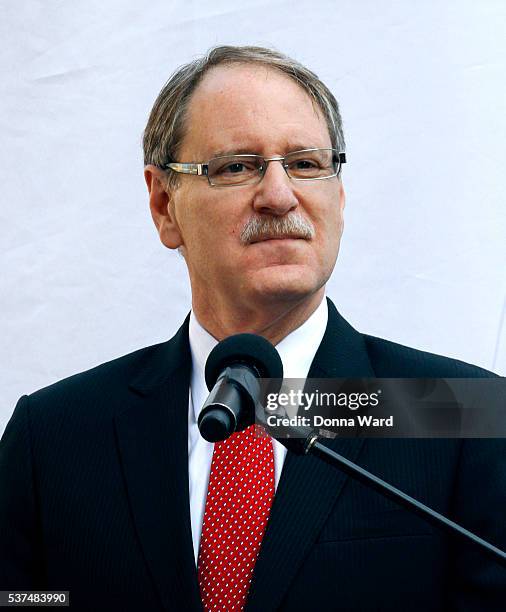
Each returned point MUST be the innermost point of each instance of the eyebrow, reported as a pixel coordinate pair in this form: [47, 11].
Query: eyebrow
[249, 151]
[239, 151]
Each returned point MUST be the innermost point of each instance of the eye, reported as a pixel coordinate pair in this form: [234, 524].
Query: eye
[236, 167]
[305, 164]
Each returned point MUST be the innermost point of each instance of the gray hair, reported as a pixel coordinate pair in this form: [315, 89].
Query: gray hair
[166, 124]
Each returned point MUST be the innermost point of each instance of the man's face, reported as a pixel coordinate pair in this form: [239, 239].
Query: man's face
[252, 109]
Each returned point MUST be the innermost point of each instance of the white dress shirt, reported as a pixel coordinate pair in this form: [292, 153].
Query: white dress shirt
[297, 352]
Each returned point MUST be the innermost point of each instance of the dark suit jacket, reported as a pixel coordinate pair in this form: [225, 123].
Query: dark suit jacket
[94, 496]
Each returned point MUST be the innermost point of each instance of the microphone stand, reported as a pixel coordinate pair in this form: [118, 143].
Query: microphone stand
[305, 441]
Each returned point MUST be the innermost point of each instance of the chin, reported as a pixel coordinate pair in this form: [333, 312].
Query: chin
[285, 283]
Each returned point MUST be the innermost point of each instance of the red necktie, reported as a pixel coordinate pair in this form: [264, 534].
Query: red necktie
[239, 498]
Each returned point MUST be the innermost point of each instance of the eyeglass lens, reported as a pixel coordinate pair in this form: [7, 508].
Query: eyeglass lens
[299, 165]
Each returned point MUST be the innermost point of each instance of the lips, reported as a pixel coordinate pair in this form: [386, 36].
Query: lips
[277, 237]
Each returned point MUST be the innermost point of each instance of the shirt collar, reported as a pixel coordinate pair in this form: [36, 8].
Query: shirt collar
[297, 351]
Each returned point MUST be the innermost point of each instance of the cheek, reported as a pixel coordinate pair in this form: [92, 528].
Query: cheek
[330, 232]
[329, 222]
[211, 235]
[221, 225]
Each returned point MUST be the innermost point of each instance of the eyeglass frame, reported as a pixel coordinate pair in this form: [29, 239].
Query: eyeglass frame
[201, 168]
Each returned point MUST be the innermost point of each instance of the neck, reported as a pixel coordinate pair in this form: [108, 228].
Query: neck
[272, 320]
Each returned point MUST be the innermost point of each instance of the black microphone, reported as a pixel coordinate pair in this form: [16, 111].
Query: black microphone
[232, 372]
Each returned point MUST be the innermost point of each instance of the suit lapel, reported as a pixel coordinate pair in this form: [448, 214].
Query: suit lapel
[308, 488]
[152, 435]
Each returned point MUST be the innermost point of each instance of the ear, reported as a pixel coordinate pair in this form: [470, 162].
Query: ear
[342, 202]
[159, 203]
[342, 197]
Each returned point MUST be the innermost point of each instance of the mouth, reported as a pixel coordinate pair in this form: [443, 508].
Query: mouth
[270, 238]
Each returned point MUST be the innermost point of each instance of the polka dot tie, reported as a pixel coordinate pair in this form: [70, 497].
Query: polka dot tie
[239, 498]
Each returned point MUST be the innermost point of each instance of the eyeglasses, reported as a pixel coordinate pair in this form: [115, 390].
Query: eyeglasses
[233, 170]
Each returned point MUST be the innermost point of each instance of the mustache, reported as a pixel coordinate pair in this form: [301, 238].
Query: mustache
[291, 226]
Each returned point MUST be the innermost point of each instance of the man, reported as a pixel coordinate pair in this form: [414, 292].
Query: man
[108, 490]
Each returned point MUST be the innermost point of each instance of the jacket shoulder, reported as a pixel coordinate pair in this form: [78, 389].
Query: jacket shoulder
[97, 391]
[393, 360]
[96, 394]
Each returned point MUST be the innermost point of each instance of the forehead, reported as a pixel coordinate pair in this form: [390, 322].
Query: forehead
[245, 107]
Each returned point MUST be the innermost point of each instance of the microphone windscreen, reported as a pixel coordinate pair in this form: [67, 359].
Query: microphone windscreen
[247, 349]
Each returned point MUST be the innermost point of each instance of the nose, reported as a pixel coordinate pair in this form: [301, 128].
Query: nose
[274, 194]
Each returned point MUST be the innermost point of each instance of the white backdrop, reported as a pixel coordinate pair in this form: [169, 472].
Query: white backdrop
[422, 93]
